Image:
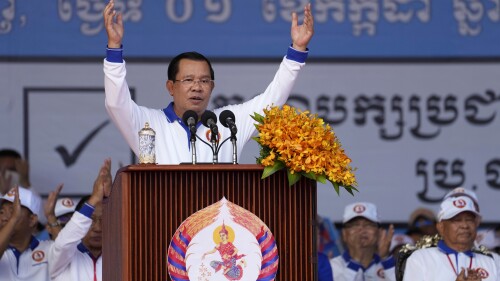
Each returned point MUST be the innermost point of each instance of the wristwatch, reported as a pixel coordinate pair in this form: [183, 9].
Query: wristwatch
[54, 224]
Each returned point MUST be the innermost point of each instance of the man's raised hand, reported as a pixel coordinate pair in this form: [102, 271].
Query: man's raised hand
[113, 22]
[302, 34]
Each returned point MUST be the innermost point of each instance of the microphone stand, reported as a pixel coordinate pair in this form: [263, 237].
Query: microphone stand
[193, 147]
[213, 140]
[235, 154]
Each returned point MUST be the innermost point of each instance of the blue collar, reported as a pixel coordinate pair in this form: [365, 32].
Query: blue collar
[33, 244]
[347, 257]
[84, 250]
[172, 117]
[170, 113]
[447, 250]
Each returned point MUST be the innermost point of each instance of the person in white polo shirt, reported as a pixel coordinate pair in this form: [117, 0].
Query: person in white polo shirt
[455, 258]
[76, 253]
[367, 256]
[23, 257]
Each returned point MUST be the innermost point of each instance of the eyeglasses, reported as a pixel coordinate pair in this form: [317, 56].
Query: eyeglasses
[190, 82]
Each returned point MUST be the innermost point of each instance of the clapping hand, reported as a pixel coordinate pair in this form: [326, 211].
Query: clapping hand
[472, 275]
[384, 241]
[102, 184]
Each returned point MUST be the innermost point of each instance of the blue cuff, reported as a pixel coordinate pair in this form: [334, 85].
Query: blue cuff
[87, 210]
[297, 56]
[114, 54]
[388, 262]
[354, 266]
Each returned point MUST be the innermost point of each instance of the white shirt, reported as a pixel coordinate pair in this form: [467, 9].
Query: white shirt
[444, 263]
[68, 258]
[172, 143]
[29, 265]
[346, 269]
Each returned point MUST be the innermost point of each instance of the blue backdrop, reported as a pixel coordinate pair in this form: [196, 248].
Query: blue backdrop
[254, 29]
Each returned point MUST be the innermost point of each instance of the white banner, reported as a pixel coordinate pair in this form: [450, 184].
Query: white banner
[414, 131]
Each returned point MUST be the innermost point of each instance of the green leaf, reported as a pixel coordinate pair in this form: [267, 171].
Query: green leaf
[350, 189]
[321, 178]
[336, 187]
[310, 175]
[353, 188]
[269, 170]
[257, 139]
[293, 178]
[257, 117]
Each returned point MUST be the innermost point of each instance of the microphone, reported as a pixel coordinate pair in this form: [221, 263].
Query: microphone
[227, 120]
[189, 119]
[209, 119]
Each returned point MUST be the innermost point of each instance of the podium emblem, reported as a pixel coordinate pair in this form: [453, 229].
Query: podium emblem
[223, 242]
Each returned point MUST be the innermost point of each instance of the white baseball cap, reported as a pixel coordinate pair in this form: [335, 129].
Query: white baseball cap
[28, 199]
[361, 209]
[64, 206]
[453, 206]
[460, 191]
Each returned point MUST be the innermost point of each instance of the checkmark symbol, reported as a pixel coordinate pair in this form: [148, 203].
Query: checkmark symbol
[70, 159]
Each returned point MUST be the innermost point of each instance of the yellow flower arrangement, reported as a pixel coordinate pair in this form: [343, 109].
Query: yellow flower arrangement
[304, 145]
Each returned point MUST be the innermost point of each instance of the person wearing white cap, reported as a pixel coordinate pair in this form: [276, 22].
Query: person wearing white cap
[454, 257]
[460, 191]
[22, 256]
[367, 256]
[76, 253]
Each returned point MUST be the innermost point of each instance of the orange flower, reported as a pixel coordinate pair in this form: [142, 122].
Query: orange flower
[304, 145]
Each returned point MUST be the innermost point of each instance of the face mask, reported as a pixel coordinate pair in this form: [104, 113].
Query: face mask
[14, 177]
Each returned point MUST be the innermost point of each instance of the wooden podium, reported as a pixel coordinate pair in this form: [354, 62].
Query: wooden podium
[149, 202]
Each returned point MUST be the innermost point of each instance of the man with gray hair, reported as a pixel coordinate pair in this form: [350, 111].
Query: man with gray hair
[454, 257]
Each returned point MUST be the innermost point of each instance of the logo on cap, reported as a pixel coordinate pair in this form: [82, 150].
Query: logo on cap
[460, 203]
[483, 273]
[67, 202]
[359, 209]
[38, 256]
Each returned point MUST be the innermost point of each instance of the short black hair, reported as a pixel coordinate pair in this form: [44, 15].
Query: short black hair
[173, 67]
[10, 153]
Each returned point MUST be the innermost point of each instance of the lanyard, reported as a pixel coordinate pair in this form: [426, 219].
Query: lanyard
[452, 266]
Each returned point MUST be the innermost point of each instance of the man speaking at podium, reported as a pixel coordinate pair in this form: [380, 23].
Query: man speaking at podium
[190, 83]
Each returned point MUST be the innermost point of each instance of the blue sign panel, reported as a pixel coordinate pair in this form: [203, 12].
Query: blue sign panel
[254, 28]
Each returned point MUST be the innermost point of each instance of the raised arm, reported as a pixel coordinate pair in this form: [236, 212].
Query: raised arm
[65, 246]
[113, 22]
